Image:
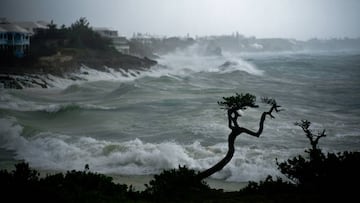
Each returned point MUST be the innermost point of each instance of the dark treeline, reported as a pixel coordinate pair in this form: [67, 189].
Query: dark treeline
[77, 35]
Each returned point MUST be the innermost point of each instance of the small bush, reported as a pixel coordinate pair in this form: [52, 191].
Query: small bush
[321, 175]
[269, 187]
[177, 184]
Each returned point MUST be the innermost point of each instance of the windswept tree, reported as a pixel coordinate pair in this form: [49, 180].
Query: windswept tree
[232, 105]
[52, 25]
[314, 152]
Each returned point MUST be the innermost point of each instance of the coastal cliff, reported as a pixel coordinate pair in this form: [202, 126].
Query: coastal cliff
[62, 52]
[28, 73]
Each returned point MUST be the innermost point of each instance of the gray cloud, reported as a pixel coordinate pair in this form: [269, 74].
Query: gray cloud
[301, 19]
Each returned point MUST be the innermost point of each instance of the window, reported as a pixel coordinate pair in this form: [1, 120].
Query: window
[17, 36]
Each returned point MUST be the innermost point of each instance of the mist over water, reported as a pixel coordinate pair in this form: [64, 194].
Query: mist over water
[144, 122]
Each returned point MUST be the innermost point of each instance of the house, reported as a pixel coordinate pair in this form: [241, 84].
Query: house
[121, 44]
[14, 40]
[106, 32]
[144, 39]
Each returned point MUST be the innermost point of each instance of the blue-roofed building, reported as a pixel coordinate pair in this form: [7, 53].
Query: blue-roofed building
[14, 40]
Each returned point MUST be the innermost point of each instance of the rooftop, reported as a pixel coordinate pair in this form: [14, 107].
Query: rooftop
[10, 27]
[30, 26]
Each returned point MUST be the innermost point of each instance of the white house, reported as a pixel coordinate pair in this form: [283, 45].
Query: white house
[14, 39]
[120, 43]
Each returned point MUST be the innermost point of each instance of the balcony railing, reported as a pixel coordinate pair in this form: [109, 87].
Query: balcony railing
[15, 42]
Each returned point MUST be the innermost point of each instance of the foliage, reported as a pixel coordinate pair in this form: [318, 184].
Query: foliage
[81, 24]
[269, 187]
[238, 102]
[314, 151]
[52, 25]
[319, 172]
[176, 184]
[81, 35]
[269, 101]
[323, 173]
[74, 186]
[22, 175]
[316, 177]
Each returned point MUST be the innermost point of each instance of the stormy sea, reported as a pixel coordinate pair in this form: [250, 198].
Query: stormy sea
[140, 123]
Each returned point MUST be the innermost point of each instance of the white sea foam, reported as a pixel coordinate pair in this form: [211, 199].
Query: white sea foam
[180, 63]
[87, 74]
[11, 102]
[54, 108]
[191, 60]
[51, 151]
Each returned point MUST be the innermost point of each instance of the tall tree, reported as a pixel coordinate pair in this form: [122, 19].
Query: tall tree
[233, 104]
[81, 35]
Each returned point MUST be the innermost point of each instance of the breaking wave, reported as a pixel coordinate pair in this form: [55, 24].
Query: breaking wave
[177, 64]
[55, 108]
[189, 61]
[10, 102]
[51, 151]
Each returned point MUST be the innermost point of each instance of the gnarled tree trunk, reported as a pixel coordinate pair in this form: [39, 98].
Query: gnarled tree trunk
[235, 131]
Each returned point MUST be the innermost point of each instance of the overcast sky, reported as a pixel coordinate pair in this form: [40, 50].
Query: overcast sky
[300, 19]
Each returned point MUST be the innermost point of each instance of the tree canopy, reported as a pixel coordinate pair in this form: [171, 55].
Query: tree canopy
[238, 102]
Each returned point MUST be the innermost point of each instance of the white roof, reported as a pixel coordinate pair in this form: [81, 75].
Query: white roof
[30, 25]
[41, 22]
[9, 27]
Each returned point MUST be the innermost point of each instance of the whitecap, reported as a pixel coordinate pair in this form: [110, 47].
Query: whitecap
[53, 151]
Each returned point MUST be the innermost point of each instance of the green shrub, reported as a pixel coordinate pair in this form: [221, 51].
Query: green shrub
[269, 187]
[24, 184]
[334, 172]
[177, 184]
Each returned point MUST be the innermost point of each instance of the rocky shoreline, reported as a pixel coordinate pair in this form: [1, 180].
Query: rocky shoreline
[65, 64]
